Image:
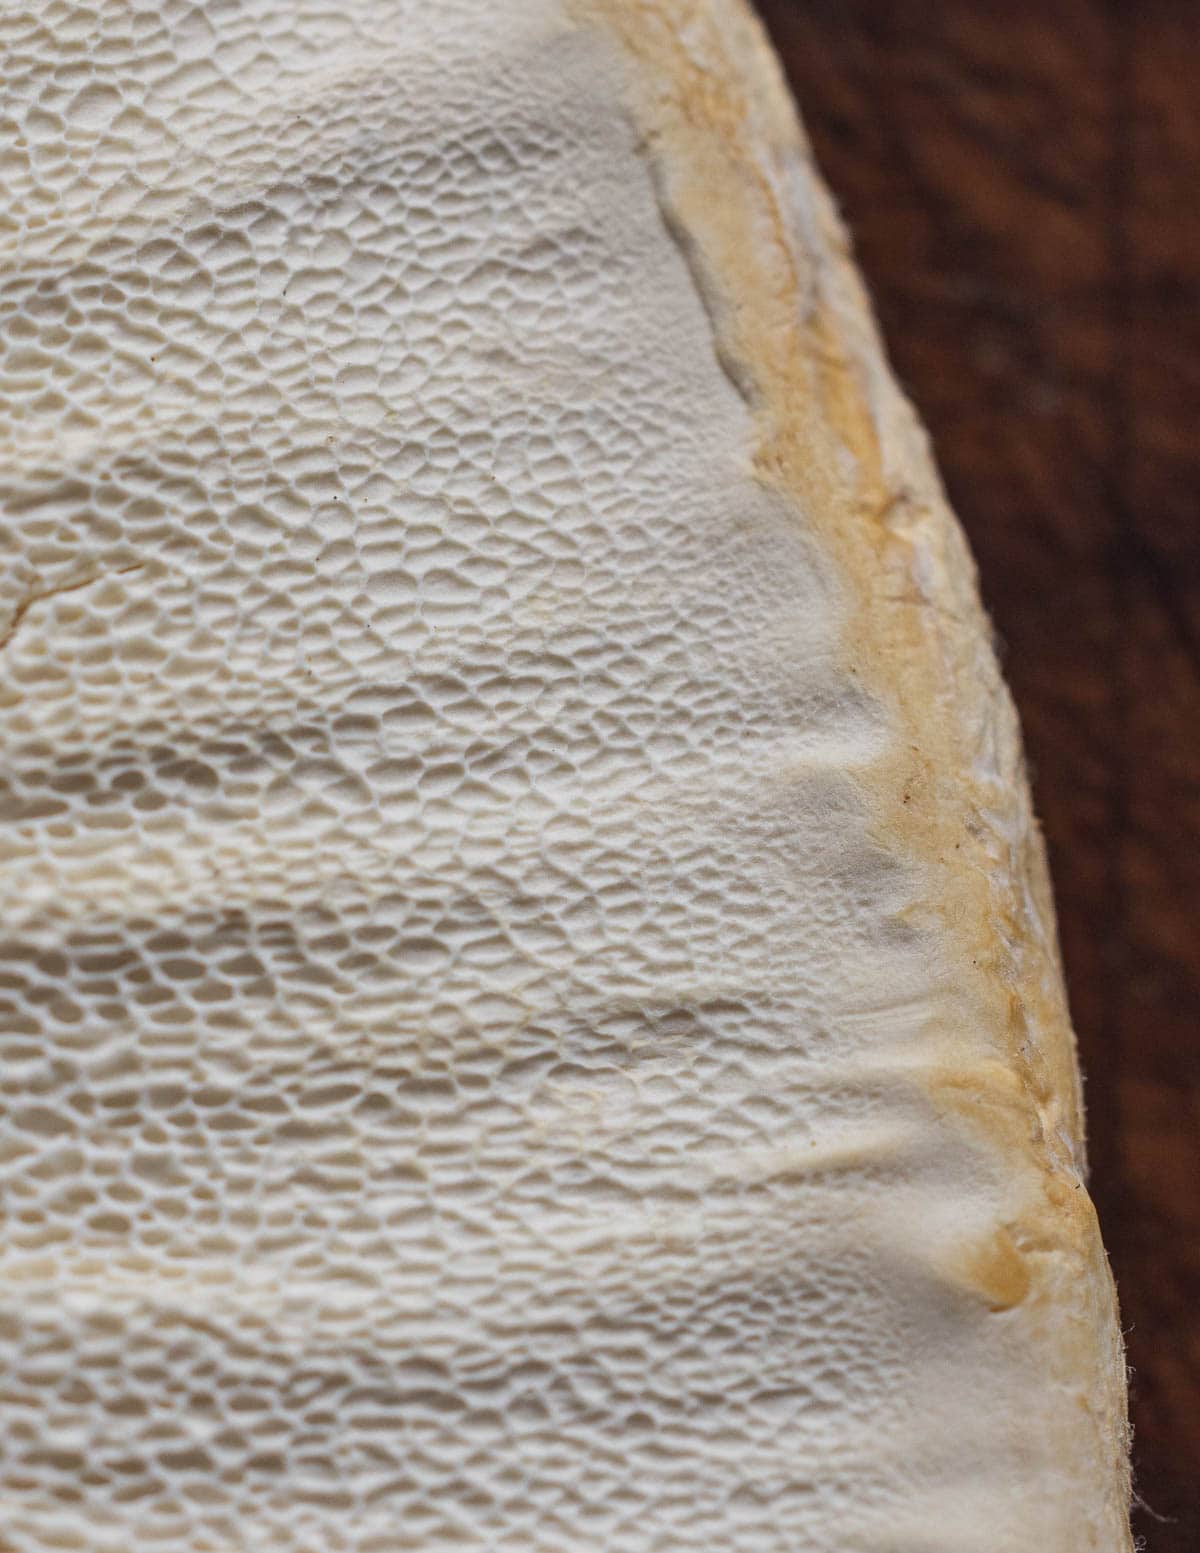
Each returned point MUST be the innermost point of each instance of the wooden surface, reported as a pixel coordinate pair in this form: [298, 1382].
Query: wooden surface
[1023, 185]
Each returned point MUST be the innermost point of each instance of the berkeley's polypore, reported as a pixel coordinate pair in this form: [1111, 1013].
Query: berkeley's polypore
[531, 1016]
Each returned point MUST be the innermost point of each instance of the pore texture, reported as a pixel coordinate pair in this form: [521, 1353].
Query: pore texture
[467, 1042]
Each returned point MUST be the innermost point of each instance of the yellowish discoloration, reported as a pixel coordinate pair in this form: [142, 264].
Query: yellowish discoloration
[950, 795]
[996, 1271]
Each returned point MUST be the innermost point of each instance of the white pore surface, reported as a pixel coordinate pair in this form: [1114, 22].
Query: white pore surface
[457, 1029]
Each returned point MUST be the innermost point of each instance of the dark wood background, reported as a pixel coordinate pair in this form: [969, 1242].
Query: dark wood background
[1023, 185]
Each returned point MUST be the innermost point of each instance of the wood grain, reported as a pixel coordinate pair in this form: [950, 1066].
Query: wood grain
[1023, 185]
